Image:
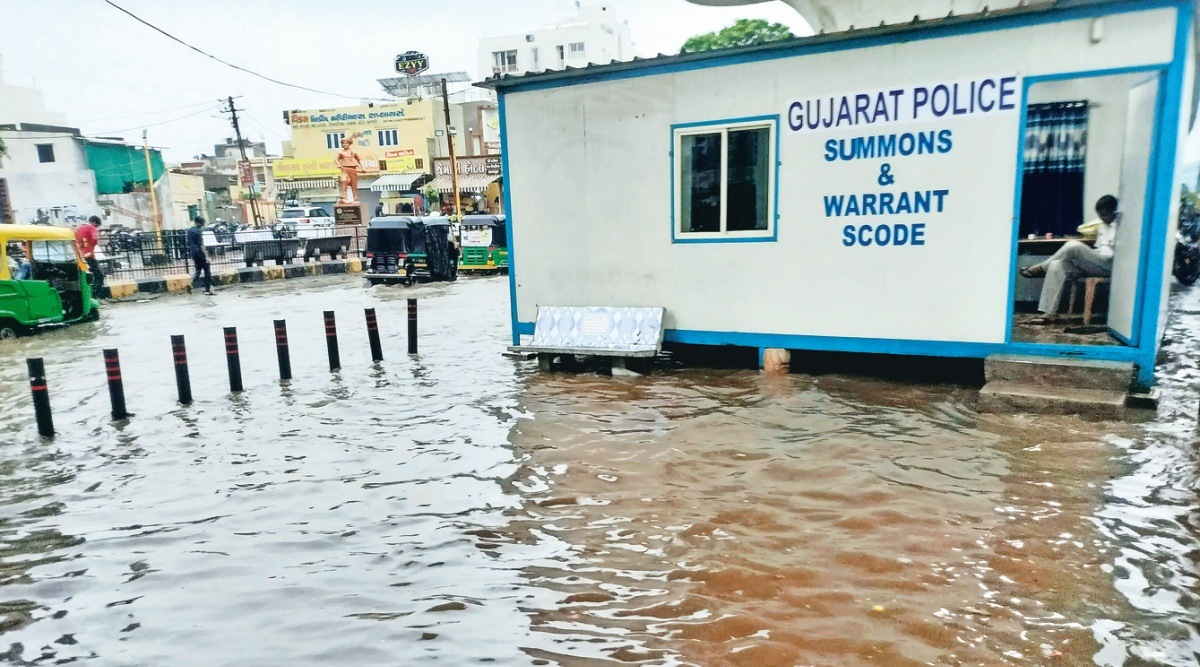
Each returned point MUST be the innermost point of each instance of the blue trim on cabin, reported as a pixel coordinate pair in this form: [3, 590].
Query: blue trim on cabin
[888, 35]
[1165, 167]
[735, 236]
[1143, 356]
[508, 216]
[926, 348]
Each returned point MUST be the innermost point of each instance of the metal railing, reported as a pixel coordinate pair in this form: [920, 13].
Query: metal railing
[146, 255]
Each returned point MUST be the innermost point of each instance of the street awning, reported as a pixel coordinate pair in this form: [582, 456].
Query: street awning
[468, 183]
[307, 184]
[402, 182]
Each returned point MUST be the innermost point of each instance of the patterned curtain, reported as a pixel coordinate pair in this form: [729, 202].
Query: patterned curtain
[1055, 153]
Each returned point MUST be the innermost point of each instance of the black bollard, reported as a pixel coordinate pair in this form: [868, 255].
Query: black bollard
[182, 380]
[412, 326]
[233, 359]
[373, 335]
[335, 359]
[116, 387]
[41, 397]
[281, 346]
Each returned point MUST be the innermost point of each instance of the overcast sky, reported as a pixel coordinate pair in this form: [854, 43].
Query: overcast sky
[112, 75]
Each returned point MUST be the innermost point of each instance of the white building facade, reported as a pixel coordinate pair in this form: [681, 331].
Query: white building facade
[45, 176]
[593, 35]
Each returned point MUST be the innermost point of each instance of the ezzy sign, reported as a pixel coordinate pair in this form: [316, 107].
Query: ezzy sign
[412, 63]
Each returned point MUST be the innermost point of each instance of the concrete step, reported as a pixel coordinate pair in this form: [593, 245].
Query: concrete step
[1038, 399]
[1058, 372]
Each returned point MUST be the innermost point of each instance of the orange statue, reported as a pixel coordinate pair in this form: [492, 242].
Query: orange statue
[351, 165]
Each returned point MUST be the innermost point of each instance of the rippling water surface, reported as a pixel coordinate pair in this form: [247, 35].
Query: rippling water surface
[458, 507]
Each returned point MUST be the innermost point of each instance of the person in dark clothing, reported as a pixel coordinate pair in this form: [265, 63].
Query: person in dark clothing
[195, 242]
[454, 253]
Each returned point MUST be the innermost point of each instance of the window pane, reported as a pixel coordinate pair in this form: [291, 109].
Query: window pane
[700, 182]
[749, 179]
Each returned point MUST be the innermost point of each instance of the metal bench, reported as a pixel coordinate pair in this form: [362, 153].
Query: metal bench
[282, 251]
[621, 333]
[213, 246]
[326, 245]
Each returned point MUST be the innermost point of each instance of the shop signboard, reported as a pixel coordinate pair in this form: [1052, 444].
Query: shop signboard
[412, 63]
[298, 168]
[477, 238]
[245, 173]
[469, 166]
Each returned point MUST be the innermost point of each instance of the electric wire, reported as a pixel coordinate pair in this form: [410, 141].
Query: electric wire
[142, 127]
[145, 113]
[227, 63]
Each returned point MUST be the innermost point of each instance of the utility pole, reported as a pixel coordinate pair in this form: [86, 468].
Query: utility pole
[453, 160]
[237, 131]
[153, 198]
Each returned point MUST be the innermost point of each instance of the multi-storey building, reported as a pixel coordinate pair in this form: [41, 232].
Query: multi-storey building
[593, 35]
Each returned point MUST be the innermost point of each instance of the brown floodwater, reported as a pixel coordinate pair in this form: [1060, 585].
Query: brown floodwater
[458, 507]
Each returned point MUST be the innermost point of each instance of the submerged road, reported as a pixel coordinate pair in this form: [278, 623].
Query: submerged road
[457, 507]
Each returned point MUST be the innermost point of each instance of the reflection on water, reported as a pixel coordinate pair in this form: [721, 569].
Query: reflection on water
[458, 506]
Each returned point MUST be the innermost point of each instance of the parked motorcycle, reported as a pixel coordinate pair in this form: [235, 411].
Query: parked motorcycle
[121, 239]
[1187, 242]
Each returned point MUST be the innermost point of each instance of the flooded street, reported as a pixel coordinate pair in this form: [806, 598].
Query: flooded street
[458, 507]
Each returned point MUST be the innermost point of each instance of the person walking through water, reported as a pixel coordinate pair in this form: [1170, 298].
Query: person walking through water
[87, 237]
[195, 242]
[1077, 260]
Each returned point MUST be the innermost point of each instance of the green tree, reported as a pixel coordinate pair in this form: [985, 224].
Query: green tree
[742, 33]
[3, 148]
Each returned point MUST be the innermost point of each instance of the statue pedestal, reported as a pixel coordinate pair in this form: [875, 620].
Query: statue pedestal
[349, 215]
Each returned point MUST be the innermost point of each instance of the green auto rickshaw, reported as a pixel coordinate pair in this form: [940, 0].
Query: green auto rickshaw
[43, 280]
[484, 244]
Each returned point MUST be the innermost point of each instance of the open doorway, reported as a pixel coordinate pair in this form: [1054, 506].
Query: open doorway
[1083, 179]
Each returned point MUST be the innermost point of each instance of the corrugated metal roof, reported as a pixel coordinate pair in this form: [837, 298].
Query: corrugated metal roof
[918, 23]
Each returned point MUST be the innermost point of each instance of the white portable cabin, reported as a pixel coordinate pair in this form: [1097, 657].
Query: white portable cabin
[858, 191]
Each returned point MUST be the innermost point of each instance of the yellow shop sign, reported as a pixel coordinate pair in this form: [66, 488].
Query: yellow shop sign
[293, 168]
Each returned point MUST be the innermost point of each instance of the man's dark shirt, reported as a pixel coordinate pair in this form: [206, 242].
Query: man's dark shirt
[195, 240]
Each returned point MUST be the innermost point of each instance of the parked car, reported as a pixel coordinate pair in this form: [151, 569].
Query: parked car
[306, 216]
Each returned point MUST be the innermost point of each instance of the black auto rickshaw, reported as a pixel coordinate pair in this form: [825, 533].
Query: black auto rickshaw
[407, 249]
[484, 244]
[430, 257]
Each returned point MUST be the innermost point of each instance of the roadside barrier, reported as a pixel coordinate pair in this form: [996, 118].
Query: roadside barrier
[41, 397]
[331, 344]
[116, 386]
[183, 381]
[412, 326]
[373, 336]
[233, 359]
[281, 348]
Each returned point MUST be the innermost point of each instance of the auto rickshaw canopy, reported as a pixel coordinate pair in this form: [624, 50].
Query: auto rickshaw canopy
[18, 233]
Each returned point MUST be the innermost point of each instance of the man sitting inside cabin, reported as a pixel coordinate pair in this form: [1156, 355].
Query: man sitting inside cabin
[1077, 260]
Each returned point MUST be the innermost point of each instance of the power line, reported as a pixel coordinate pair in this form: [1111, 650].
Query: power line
[226, 63]
[264, 126]
[146, 113]
[141, 127]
